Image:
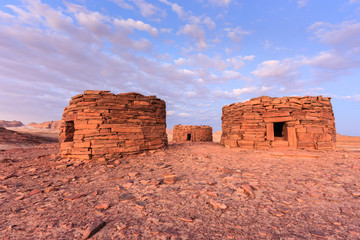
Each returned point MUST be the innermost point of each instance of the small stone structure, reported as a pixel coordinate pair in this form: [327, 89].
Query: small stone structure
[184, 133]
[102, 124]
[288, 122]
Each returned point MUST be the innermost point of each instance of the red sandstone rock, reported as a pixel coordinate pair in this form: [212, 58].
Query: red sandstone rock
[185, 133]
[217, 205]
[52, 125]
[14, 123]
[288, 122]
[100, 124]
[93, 228]
[169, 178]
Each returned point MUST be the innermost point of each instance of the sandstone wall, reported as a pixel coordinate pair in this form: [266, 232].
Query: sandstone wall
[184, 133]
[308, 123]
[100, 123]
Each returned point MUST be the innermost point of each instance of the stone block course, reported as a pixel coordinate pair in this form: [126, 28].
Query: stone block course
[104, 124]
[185, 133]
[293, 122]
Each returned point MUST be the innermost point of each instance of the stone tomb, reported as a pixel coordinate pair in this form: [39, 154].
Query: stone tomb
[102, 124]
[189, 133]
[288, 122]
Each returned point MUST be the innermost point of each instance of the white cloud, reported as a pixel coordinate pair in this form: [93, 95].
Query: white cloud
[301, 3]
[64, 52]
[170, 113]
[146, 9]
[205, 61]
[338, 35]
[176, 8]
[236, 34]
[6, 16]
[221, 3]
[210, 24]
[139, 25]
[238, 61]
[235, 93]
[286, 69]
[229, 75]
[196, 33]
[183, 114]
[332, 60]
[123, 4]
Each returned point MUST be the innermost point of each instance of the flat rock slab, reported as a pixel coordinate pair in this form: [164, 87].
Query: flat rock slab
[217, 193]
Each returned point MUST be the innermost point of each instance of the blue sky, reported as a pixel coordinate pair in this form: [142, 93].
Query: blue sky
[197, 55]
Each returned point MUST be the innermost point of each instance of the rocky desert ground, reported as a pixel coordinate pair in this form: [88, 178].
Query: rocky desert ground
[187, 191]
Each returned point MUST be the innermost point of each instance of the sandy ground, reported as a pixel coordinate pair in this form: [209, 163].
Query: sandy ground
[217, 193]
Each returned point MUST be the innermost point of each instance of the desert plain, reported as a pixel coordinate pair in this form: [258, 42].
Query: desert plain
[186, 191]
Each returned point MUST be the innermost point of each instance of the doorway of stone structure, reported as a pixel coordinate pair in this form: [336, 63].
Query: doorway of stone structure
[280, 131]
[69, 131]
[188, 137]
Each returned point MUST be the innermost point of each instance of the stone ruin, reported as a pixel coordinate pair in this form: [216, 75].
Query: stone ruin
[101, 124]
[288, 122]
[189, 133]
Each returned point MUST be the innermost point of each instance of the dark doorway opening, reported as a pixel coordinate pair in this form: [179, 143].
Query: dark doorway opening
[69, 131]
[188, 137]
[279, 129]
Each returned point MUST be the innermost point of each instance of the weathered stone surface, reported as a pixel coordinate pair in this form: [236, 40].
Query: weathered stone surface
[218, 205]
[184, 133]
[93, 228]
[288, 122]
[100, 124]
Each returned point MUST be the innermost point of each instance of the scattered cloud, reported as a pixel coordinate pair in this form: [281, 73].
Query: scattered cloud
[210, 24]
[332, 60]
[176, 8]
[239, 61]
[354, 1]
[138, 25]
[301, 3]
[170, 113]
[184, 115]
[236, 34]
[196, 33]
[266, 44]
[204, 61]
[146, 9]
[240, 92]
[345, 34]
[217, 3]
[123, 4]
[280, 70]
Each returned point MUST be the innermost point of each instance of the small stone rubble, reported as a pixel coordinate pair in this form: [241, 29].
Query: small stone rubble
[187, 191]
[100, 124]
[185, 133]
[288, 122]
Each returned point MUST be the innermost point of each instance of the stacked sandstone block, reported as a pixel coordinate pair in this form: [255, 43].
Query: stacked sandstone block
[184, 133]
[102, 124]
[309, 123]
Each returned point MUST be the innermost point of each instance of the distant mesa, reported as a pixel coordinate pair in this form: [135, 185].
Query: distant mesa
[51, 125]
[6, 124]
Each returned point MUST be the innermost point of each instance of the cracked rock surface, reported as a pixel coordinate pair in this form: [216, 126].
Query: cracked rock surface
[188, 191]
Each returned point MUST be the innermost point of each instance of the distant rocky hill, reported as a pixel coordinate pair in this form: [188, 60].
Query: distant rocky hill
[14, 123]
[12, 139]
[52, 125]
